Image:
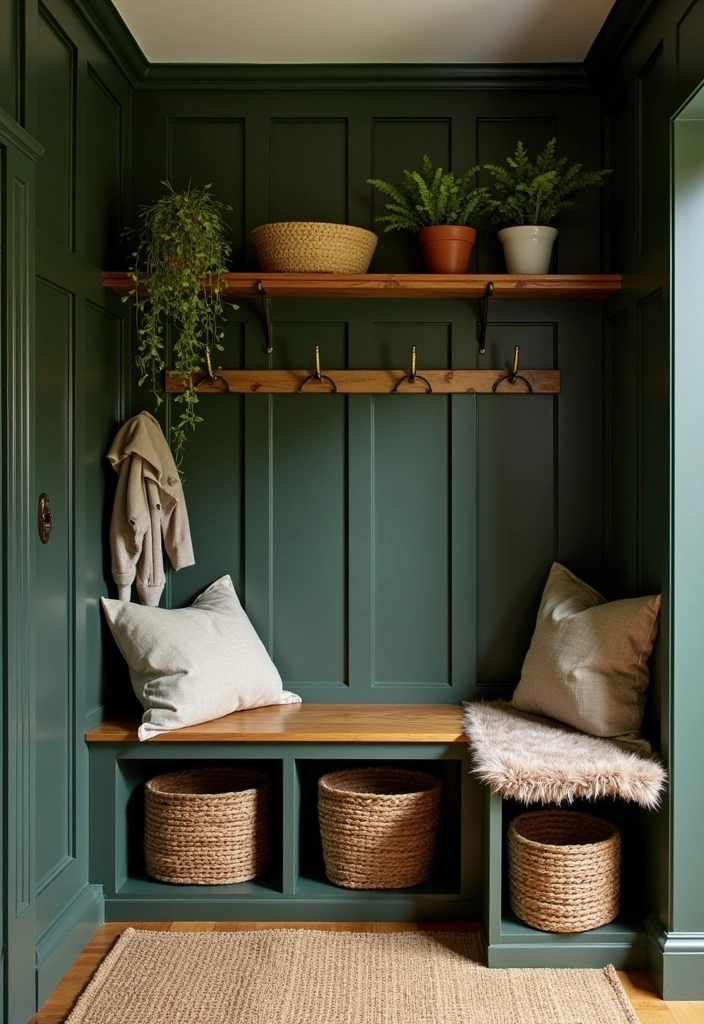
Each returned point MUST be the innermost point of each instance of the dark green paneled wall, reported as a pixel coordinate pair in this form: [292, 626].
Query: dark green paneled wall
[642, 90]
[388, 549]
[62, 85]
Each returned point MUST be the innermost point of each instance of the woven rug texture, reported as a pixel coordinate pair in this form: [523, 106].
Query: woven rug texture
[533, 760]
[299, 976]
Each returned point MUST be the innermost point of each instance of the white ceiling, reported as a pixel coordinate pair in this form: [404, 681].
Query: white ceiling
[363, 31]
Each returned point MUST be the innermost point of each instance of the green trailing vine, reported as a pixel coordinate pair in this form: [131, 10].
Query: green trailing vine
[429, 196]
[179, 262]
[527, 192]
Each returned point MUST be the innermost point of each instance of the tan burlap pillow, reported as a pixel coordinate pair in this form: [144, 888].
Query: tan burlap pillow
[587, 664]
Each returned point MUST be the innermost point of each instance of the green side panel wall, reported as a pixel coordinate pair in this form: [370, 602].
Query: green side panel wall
[388, 548]
[73, 100]
[642, 91]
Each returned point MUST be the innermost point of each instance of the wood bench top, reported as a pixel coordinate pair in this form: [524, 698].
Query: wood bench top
[308, 723]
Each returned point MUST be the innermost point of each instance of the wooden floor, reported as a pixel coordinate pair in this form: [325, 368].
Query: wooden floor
[648, 1005]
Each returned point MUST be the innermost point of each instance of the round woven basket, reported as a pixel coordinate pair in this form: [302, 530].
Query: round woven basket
[378, 826]
[563, 870]
[313, 247]
[208, 826]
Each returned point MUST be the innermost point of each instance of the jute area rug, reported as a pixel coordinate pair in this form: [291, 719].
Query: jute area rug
[287, 976]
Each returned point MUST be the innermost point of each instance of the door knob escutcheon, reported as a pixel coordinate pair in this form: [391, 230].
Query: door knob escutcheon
[45, 522]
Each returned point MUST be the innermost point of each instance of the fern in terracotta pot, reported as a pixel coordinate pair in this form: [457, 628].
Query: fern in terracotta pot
[440, 208]
[526, 197]
[179, 263]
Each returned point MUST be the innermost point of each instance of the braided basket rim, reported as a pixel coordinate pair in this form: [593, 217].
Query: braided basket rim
[313, 224]
[422, 781]
[521, 825]
[158, 785]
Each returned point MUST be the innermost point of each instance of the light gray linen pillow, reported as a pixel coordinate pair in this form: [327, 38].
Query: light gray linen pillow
[587, 664]
[191, 665]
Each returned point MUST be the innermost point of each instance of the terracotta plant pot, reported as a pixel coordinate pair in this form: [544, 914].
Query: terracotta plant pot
[447, 248]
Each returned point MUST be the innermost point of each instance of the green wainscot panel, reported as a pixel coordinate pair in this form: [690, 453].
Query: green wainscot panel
[56, 130]
[305, 189]
[210, 151]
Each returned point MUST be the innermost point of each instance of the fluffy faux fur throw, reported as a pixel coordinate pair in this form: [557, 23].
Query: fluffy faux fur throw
[522, 758]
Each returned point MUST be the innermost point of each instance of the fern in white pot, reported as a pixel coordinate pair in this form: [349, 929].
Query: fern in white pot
[526, 196]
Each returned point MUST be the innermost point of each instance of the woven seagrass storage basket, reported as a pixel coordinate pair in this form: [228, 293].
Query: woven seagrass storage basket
[378, 826]
[563, 870]
[207, 826]
[313, 247]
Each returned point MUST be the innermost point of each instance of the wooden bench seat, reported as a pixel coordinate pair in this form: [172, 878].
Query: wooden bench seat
[308, 723]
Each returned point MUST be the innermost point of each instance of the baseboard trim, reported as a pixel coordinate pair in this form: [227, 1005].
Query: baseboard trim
[624, 956]
[676, 961]
[61, 943]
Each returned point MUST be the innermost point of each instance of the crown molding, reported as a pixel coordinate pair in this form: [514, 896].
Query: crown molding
[623, 21]
[103, 19]
[301, 77]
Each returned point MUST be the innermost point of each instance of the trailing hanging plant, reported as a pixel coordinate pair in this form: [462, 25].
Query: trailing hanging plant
[535, 193]
[179, 263]
[431, 197]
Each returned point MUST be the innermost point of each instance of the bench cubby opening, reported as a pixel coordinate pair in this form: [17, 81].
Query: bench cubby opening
[512, 943]
[446, 877]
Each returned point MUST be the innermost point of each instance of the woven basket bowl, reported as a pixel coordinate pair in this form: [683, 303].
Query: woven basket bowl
[378, 826]
[313, 247]
[208, 826]
[563, 870]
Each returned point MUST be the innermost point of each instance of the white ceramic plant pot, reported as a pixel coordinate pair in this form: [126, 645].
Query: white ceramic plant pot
[528, 248]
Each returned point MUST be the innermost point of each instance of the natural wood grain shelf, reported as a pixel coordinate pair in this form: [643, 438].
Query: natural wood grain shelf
[373, 382]
[406, 286]
[308, 723]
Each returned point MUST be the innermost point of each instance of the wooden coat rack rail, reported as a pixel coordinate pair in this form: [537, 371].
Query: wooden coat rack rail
[373, 382]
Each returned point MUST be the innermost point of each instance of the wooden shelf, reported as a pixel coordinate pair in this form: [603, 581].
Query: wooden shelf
[406, 286]
[308, 723]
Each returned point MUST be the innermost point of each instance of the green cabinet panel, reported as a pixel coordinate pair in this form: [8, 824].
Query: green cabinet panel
[619, 194]
[101, 209]
[653, 152]
[310, 452]
[9, 63]
[622, 452]
[217, 522]
[412, 506]
[53, 582]
[309, 563]
[653, 412]
[56, 130]
[98, 370]
[516, 487]
[210, 151]
[302, 188]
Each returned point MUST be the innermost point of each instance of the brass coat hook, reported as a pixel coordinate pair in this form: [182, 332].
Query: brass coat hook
[318, 376]
[209, 376]
[412, 377]
[514, 375]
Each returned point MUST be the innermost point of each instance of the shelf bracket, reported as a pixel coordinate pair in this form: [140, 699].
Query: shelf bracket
[481, 326]
[266, 316]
